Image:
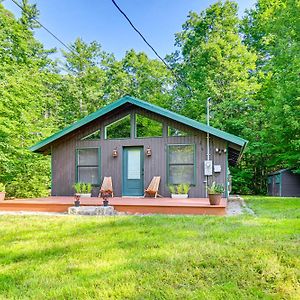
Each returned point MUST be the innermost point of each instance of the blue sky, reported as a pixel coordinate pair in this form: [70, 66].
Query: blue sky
[99, 20]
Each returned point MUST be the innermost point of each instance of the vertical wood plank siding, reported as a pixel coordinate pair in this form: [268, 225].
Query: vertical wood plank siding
[63, 155]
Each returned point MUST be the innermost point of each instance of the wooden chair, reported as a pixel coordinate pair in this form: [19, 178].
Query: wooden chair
[152, 189]
[106, 187]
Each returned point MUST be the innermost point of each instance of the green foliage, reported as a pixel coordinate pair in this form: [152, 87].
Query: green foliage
[215, 188]
[172, 189]
[146, 127]
[217, 64]
[88, 188]
[77, 187]
[119, 129]
[185, 188]
[26, 106]
[182, 188]
[82, 188]
[2, 187]
[250, 69]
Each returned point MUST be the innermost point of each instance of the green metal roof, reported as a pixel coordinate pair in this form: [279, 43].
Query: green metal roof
[148, 106]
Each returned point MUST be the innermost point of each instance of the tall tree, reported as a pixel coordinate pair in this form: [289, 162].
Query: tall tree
[216, 64]
[95, 78]
[82, 87]
[272, 28]
[26, 105]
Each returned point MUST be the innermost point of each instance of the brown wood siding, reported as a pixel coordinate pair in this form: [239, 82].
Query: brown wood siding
[63, 155]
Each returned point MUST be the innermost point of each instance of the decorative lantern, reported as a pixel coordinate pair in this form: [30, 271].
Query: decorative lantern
[148, 151]
[115, 153]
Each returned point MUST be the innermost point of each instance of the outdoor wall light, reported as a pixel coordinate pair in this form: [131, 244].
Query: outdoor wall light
[115, 153]
[148, 151]
[220, 151]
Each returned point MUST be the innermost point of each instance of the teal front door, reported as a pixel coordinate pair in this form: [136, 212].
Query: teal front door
[133, 171]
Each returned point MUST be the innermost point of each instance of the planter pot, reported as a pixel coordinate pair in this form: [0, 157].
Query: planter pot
[77, 200]
[2, 196]
[86, 195]
[179, 196]
[214, 199]
[77, 203]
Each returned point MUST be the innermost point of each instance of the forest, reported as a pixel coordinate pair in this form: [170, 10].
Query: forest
[249, 67]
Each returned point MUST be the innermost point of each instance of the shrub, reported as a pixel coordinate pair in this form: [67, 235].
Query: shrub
[215, 188]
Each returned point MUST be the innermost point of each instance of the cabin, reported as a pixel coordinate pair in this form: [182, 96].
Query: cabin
[284, 183]
[132, 141]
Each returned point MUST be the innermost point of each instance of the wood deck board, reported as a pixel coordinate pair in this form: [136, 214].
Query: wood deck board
[123, 204]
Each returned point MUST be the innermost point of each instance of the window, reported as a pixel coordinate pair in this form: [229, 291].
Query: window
[176, 132]
[96, 135]
[88, 165]
[118, 130]
[277, 178]
[181, 164]
[146, 127]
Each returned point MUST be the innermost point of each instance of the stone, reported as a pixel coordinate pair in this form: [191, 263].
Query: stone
[92, 210]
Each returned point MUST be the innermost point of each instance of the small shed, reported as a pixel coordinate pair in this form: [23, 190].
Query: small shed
[284, 183]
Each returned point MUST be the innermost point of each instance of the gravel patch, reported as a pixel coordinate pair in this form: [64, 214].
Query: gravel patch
[237, 206]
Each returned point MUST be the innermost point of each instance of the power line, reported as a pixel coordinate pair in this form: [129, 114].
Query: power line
[131, 24]
[44, 27]
[151, 47]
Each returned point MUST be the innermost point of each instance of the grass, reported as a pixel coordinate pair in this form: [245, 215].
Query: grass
[154, 257]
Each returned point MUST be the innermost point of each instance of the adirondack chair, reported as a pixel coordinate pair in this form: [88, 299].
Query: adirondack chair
[152, 189]
[106, 187]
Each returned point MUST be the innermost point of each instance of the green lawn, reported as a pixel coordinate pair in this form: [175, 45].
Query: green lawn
[154, 257]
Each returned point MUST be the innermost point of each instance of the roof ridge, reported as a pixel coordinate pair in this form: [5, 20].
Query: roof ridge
[148, 106]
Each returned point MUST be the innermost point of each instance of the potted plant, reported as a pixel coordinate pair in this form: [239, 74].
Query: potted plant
[179, 191]
[2, 191]
[86, 189]
[215, 192]
[83, 189]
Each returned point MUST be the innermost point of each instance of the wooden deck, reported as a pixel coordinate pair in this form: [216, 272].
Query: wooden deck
[195, 206]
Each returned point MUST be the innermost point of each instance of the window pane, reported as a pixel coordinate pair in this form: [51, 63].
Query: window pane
[146, 127]
[88, 157]
[92, 136]
[176, 132]
[181, 174]
[181, 154]
[134, 164]
[88, 174]
[119, 129]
